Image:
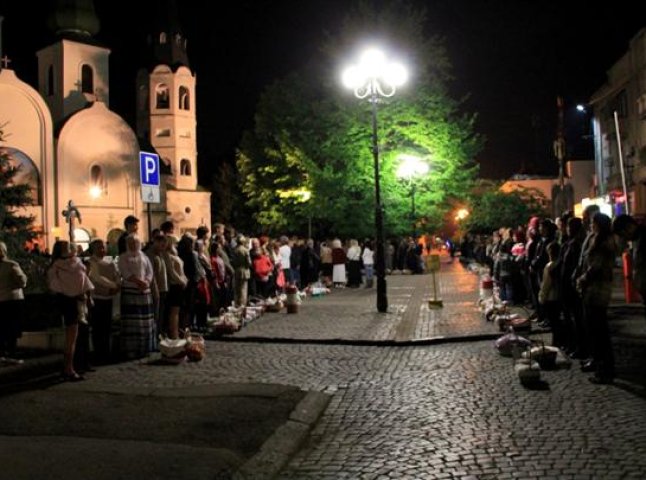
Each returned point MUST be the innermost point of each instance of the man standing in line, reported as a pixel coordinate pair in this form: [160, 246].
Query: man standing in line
[131, 224]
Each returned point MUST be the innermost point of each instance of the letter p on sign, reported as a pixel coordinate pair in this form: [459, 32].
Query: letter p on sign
[149, 169]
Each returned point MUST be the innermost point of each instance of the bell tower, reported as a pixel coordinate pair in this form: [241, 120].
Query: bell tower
[166, 117]
[73, 71]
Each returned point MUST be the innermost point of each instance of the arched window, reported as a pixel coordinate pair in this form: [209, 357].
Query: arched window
[163, 96]
[98, 185]
[87, 79]
[50, 80]
[184, 98]
[162, 38]
[185, 168]
[82, 238]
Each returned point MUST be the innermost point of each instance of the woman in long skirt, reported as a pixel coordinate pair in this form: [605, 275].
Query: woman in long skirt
[338, 260]
[137, 311]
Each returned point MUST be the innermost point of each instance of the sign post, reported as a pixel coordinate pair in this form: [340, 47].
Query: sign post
[149, 175]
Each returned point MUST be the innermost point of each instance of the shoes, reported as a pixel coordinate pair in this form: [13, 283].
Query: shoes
[71, 377]
[597, 380]
[588, 367]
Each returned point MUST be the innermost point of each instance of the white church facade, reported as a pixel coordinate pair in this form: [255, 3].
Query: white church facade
[71, 146]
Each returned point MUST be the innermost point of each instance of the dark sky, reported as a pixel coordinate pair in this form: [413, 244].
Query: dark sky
[512, 57]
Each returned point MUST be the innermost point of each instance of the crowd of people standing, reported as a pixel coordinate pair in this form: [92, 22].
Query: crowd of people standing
[563, 271]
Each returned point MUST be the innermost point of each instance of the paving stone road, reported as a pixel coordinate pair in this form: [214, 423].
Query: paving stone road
[351, 313]
[443, 411]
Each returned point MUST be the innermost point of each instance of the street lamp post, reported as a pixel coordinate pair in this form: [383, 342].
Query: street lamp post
[409, 168]
[371, 78]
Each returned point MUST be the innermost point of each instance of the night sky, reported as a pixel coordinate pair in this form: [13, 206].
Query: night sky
[511, 57]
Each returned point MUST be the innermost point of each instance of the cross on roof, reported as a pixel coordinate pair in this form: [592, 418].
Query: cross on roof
[5, 61]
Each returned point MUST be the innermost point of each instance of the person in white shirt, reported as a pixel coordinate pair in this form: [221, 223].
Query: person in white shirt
[106, 279]
[354, 264]
[368, 257]
[285, 252]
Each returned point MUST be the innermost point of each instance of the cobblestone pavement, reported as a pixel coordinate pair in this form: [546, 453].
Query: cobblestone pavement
[436, 412]
[444, 411]
[351, 313]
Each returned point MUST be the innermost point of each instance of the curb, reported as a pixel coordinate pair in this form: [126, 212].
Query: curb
[417, 342]
[286, 440]
[30, 370]
[359, 342]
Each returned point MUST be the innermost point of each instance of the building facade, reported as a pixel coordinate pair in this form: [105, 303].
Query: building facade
[71, 146]
[625, 94]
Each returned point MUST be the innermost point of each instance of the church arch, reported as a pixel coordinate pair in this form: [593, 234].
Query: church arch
[184, 98]
[87, 79]
[27, 172]
[185, 168]
[162, 96]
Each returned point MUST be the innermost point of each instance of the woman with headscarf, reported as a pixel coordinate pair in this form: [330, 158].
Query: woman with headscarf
[12, 301]
[137, 307]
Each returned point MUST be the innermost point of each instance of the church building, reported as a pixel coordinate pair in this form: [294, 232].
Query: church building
[72, 147]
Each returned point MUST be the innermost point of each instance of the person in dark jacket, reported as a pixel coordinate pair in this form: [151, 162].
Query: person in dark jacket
[574, 329]
[595, 286]
[309, 264]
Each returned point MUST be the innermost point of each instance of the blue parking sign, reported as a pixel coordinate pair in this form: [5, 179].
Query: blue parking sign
[149, 169]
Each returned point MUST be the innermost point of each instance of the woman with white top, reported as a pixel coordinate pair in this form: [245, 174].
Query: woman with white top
[137, 309]
[354, 264]
[368, 257]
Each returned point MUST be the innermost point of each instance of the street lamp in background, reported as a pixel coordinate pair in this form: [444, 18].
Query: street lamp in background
[409, 168]
[373, 77]
[461, 214]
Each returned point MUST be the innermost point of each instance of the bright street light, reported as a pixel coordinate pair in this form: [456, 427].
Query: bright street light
[409, 168]
[461, 214]
[372, 77]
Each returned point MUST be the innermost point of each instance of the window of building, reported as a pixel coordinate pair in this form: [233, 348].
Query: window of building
[82, 238]
[50, 80]
[185, 168]
[98, 184]
[162, 38]
[162, 95]
[184, 98]
[87, 79]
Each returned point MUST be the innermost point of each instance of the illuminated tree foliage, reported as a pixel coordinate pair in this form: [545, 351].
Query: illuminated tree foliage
[310, 133]
[15, 229]
[493, 209]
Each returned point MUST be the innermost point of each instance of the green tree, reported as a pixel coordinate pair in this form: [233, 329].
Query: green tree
[310, 134]
[493, 209]
[16, 229]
